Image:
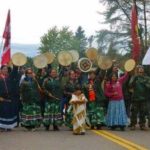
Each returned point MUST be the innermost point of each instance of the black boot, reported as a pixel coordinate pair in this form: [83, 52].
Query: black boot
[99, 127]
[47, 128]
[113, 128]
[92, 127]
[122, 128]
[143, 128]
[55, 128]
[29, 128]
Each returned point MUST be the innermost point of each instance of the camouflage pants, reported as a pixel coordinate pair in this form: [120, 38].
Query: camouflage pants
[138, 109]
[148, 112]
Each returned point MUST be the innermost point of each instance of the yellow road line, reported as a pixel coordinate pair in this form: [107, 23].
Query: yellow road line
[114, 140]
[123, 142]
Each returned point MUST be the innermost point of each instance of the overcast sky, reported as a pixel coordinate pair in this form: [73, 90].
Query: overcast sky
[30, 19]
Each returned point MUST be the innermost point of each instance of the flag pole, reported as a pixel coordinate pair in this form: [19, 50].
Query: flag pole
[1, 49]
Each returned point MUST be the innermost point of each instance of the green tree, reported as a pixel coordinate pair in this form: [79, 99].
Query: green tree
[91, 40]
[117, 15]
[29, 64]
[56, 40]
[105, 38]
[80, 40]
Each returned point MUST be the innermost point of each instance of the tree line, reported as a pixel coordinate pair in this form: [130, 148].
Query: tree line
[114, 41]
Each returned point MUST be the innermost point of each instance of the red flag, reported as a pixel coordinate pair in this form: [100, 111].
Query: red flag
[134, 34]
[7, 36]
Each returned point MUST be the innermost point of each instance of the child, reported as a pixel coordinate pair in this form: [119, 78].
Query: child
[78, 102]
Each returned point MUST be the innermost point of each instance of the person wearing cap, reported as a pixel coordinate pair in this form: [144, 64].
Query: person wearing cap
[95, 95]
[140, 85]
[53, 92]
[9, 98]
[116, 112]
[78, 102]
[30, 96]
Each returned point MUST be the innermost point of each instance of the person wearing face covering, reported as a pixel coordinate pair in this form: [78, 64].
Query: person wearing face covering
[30, 96]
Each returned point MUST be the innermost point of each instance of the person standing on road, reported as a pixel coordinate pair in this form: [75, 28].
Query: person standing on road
[30, 96]
[116, 112]
[9, 98]
[53, 92]
[140, 84]
[96, 98]
[78, 102]
[68, 91]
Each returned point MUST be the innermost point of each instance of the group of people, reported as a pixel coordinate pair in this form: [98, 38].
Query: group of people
[74, 98]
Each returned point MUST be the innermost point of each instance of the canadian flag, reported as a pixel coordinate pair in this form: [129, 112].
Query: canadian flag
[7, 36]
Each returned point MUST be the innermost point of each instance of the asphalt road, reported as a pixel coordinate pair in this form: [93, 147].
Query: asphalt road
[19, 139]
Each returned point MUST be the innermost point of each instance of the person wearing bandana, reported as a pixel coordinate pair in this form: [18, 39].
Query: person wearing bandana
[30, 96]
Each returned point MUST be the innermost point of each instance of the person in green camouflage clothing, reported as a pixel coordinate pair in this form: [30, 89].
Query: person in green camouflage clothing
[96, 100]
[29, 92]
[53, 92]
[140, 84]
